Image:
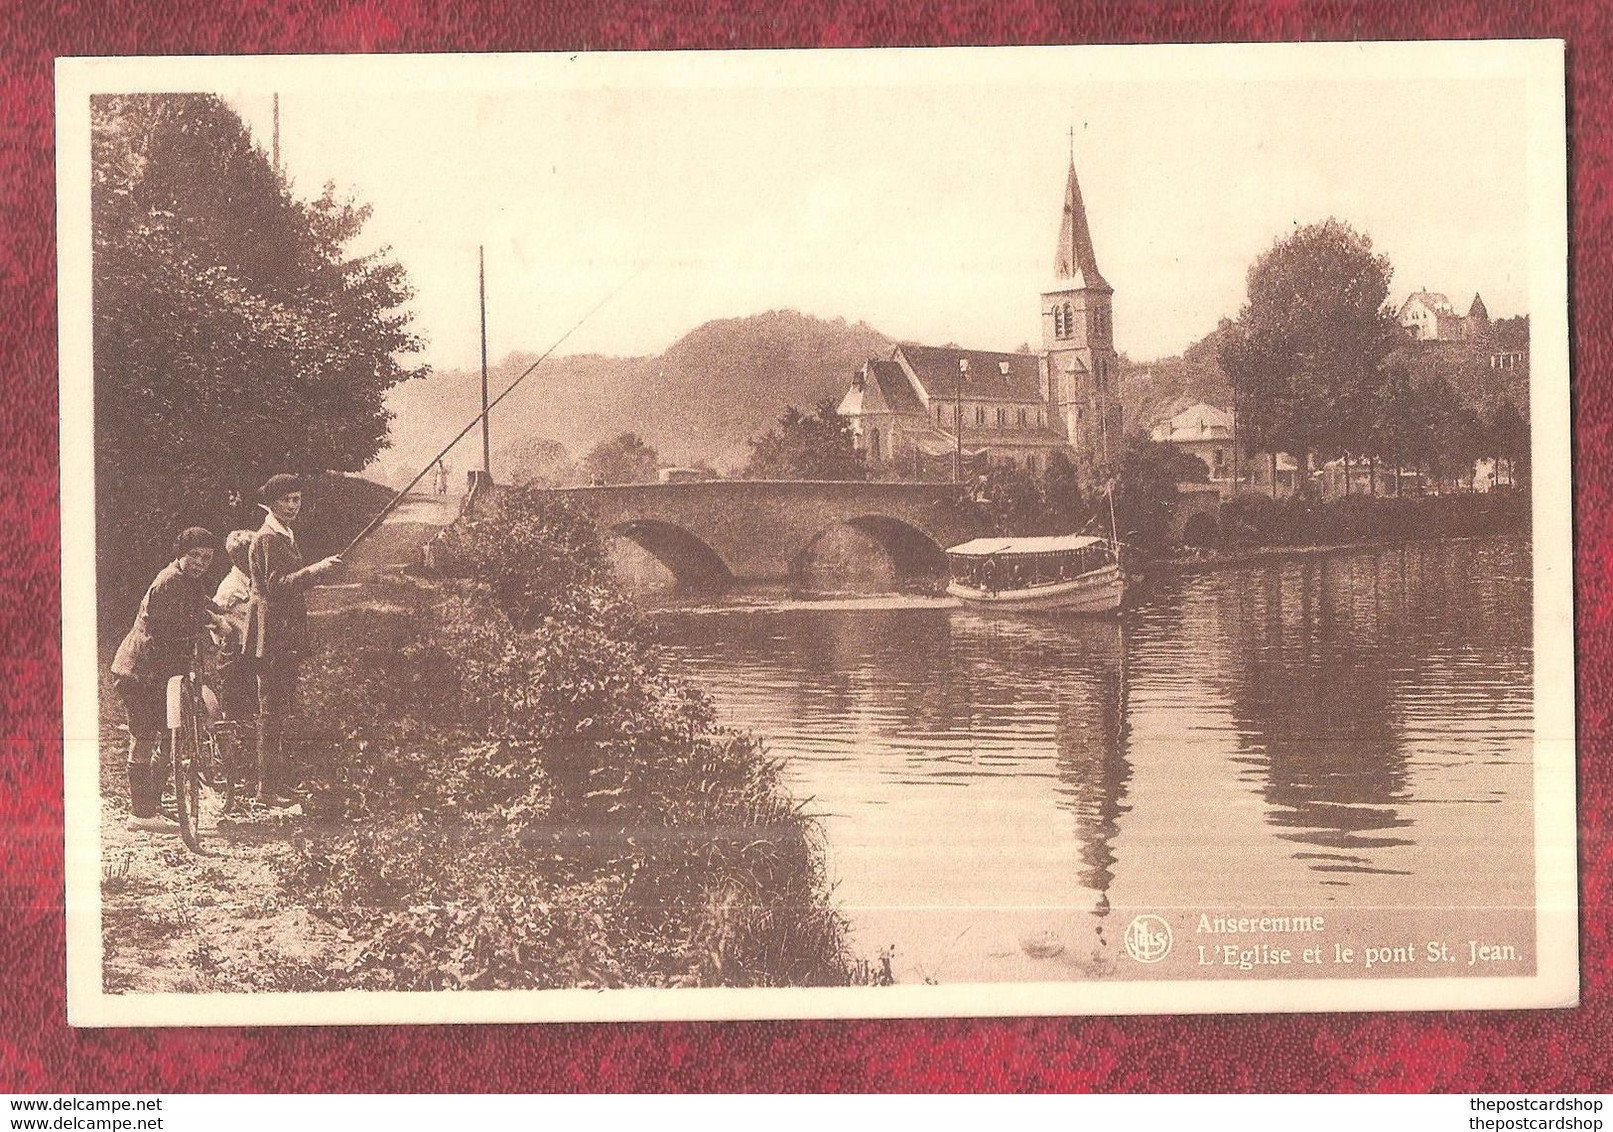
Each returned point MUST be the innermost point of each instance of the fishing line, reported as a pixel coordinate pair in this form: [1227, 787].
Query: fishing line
[491, 405]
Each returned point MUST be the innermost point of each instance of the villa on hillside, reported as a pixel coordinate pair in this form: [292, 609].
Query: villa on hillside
[922, 407]
[1428, 316]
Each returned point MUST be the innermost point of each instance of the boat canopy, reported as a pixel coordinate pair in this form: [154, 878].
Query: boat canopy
[1044, 544]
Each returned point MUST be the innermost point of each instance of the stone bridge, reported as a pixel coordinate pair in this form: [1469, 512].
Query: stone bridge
[722, 532]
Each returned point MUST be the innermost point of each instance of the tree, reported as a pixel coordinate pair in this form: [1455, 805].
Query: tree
[1310, 340]
[234, 333]
[1507, 429]
[624, 458]
[1510, 333]
[1145, 495]
[819, 446]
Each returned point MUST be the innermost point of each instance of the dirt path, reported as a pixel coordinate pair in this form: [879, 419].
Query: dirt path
[176, 921]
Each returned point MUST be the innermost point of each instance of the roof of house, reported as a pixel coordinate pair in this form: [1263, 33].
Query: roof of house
[991, 376]
[1433, 300]
[1199, 421]
[1074, 260]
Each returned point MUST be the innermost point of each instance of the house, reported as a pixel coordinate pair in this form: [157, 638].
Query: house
[1207, 432]
[1428, 316]
[924, 407]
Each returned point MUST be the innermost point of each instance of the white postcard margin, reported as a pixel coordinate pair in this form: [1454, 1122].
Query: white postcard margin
[1539, 64]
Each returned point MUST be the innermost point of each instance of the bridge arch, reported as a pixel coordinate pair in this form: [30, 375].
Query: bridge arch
[912, 552]
[692, 561]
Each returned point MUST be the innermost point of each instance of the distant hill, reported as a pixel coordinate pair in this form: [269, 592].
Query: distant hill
[702, 399]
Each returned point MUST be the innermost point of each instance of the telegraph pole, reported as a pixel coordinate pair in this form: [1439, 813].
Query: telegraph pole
[481, 282]
[957, 422]
[277, 131]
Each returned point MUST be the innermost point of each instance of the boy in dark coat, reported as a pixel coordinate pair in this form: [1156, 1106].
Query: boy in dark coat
[174, 612]
[277, 623]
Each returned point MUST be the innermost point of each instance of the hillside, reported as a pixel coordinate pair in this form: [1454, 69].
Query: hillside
[1154, 391]
[702, 399]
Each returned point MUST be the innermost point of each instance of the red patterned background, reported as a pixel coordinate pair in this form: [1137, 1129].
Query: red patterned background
[1557, 1051]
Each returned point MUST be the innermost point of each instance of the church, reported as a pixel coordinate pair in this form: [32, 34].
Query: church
[932, 411]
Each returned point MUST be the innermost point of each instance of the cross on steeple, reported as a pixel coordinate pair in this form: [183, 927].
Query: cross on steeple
[1072, 143]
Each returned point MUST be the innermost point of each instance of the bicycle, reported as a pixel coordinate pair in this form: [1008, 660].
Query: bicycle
[199, 739]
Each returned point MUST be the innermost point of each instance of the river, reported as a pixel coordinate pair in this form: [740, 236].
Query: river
[1347, 733]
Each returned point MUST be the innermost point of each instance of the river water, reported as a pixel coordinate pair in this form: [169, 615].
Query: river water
[1348, 732]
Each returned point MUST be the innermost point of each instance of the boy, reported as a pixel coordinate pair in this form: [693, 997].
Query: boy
[174, 612]
[277, 623]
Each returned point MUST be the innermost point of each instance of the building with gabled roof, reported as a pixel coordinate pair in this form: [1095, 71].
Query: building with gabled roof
[1428, 316]
[946, 401]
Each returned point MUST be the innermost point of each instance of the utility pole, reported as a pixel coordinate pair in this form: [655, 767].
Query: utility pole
[957, 421]
[481, 281]
[277, 131]
[1236, 483]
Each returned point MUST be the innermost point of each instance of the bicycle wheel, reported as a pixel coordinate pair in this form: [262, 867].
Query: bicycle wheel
[188, 755]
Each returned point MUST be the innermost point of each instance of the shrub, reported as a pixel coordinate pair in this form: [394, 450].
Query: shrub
[525, 798]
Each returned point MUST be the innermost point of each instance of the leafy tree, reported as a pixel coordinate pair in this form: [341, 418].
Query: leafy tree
[235, 334]
[533, 460]
[1507, 431]
[1310, 340]
[624, 458]
[816, 446]
[1510, 333]
[1145, 494]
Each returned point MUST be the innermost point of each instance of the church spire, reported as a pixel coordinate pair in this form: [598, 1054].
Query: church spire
[1074, 259]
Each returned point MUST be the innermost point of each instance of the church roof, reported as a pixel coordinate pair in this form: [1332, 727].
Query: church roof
[991, 376]
[894, 386]
[1074, 260]
[1476, 309]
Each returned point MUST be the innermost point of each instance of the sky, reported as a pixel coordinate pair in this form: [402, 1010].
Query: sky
[924, 204]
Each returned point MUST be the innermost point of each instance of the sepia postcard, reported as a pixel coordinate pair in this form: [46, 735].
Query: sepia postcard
[877, 533]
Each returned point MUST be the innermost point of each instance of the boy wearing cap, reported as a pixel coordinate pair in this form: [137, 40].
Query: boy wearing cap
[277, 621]
[173, 613]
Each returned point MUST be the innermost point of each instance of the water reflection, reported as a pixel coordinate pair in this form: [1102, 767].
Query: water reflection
[1331, 729]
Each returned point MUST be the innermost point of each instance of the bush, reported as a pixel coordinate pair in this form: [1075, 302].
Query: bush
[527, 799]
[1258, 520]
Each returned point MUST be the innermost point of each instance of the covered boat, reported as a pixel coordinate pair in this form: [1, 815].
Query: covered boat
[1075, 573]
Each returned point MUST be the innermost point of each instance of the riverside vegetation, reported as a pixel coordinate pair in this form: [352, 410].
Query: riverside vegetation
[507, 790]
[516, 793]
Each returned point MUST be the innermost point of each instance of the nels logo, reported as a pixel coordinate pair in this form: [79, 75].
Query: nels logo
[1148, 939]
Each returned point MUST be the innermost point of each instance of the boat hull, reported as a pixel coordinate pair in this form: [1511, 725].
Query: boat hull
[1101, 591]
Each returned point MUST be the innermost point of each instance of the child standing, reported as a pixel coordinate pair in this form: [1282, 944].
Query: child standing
[173, 613]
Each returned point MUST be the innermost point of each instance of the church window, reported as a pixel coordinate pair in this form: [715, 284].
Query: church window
[1002, 418]
[1023, 418]
[938, 408]
[1041, 418]
[980, 414]
[873, 443]
[1069, 322]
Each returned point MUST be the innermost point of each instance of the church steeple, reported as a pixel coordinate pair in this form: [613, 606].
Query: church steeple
[1074, 260]
[1078, 355]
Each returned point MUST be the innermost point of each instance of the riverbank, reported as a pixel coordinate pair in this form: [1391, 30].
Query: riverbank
[1200, 561]
[503, 789]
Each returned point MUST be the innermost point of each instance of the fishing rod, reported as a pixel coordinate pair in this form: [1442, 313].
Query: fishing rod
[477, 419]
